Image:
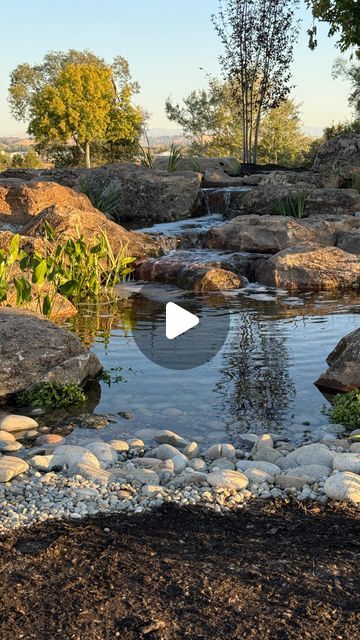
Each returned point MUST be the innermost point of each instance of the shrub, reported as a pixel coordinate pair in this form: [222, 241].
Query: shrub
[346, 409]
[52, 395]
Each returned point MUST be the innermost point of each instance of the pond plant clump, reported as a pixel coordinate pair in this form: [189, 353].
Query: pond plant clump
[52, 395]
[75, 269]
[346, 408]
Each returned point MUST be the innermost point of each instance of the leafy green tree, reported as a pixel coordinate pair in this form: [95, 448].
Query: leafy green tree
[75, 96]
[209, 119]
[281, 138]
[350, 71]
[29, 160]
[340, 128]
[5, 160]
[343, 19]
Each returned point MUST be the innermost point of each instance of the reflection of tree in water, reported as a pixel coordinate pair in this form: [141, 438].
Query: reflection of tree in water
[257, 364]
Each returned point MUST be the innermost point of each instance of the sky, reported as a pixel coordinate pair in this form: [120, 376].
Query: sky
[170, 45]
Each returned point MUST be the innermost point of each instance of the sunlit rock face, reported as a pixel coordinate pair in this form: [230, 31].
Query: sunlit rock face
[310, 266]
[134, 194]
[20, 201]
[69, 222]
[343, 373]
[176, 269]
[270, 234]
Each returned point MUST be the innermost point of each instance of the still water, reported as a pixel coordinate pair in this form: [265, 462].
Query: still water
[262, 379]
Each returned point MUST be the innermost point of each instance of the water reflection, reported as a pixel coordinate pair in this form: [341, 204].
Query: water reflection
[262, 379]
[256, 370]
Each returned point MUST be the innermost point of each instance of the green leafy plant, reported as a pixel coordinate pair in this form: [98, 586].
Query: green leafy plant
[105, 200]
[74, 268]
[345, 409]
[146, 155]
[52, 395]
[175, 157]
[292, 205]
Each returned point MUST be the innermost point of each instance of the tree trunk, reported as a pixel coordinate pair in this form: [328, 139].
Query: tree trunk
[87, 155]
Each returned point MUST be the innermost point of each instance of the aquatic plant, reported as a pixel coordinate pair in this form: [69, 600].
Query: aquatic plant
[345, 409]
[292, 205]
[76, 269]
[175, 157]
[52, 395]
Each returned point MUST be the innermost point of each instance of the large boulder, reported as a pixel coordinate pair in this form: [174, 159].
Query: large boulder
[142, 196]
[270, 234]
[263, 234]
[20, 201]
[300, 178]
[343, 373]
[267, 200]
[310, 266]
[218, 178]
[69, 222]
[349, 241]
[33, 350]
[131, 192]
[185, 273]
[339, 156]
[229, 166]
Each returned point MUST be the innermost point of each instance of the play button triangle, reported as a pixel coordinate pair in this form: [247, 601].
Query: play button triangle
[178, 320]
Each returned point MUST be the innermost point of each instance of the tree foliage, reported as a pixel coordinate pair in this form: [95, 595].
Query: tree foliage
[209, 119]
[76, 96]
[258, 38]
[28, 160]
[281, 138]
[343, 19]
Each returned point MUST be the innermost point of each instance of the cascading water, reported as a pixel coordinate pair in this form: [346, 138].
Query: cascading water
[223, 199]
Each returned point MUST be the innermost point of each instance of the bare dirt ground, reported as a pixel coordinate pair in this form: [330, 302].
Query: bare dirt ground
[268, 572]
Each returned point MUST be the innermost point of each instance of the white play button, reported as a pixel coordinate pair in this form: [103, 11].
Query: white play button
[178, 320]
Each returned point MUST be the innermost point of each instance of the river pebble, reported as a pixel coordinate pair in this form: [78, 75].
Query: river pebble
[72, 481]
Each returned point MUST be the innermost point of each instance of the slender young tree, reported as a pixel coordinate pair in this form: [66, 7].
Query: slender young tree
[258, 38]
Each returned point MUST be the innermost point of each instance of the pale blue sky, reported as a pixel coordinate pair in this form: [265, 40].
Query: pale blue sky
[165, 41]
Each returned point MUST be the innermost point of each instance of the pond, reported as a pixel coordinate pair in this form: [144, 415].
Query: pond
[261, 380]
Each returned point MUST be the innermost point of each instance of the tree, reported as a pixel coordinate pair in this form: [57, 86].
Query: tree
[258, 38]
[209, 119]
[351, 72]
[343, 18]
[76, 96]
[5, 160]
[29, 160]
[281, 138]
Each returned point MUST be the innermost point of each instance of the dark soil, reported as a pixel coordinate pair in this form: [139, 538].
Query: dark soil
[270, 571]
